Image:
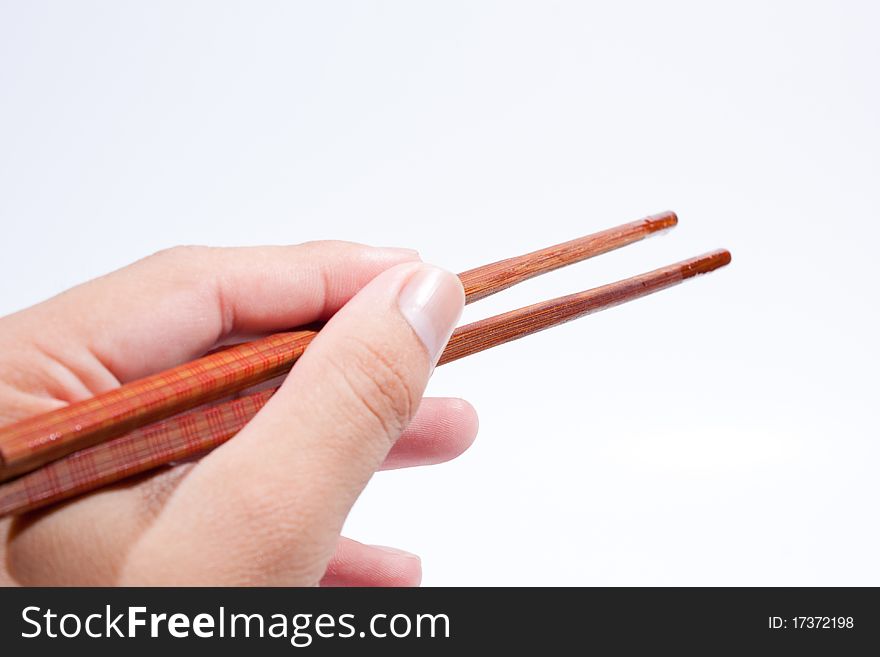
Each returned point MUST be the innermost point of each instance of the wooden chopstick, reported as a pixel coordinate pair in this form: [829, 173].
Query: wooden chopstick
[183, 436]
[491, 332]
[34, 441]
[489, 279]
[199, 431]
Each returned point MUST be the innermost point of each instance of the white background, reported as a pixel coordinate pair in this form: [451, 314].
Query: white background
[724, 432]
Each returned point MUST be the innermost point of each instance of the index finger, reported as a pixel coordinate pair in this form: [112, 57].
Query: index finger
[177, 304]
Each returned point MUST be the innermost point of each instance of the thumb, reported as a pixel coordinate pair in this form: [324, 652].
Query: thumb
[268, 506]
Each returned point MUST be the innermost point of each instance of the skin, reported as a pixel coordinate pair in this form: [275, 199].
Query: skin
[267, 507]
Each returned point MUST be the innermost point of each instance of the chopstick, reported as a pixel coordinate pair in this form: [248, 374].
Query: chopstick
[494, 331]
[35, 441]
[199, 431]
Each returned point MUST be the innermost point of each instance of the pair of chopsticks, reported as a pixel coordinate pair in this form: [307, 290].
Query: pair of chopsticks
[185, 411]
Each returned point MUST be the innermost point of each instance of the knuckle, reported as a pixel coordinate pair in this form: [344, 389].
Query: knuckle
[183, 264]
[189, 265]
[378, 385]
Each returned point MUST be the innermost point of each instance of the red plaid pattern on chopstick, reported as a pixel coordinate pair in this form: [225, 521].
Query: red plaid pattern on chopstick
[181, 437]
[39, 439]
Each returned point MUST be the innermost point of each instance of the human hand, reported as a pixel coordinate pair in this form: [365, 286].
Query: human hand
[267, 507]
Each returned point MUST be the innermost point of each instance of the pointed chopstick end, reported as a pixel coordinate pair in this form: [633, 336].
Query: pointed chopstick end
[661, 221]
[705, 263]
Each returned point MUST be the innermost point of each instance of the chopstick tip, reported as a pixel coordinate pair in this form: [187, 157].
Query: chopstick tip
[705, 263]
[661, 221]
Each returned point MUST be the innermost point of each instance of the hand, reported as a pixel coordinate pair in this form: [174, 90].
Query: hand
[265, 508]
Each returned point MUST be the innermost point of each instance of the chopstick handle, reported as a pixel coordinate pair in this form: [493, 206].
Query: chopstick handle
[37, 440]
[181, 437]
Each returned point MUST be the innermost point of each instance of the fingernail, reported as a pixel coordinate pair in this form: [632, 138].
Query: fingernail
[431, 301]
[395, 551]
